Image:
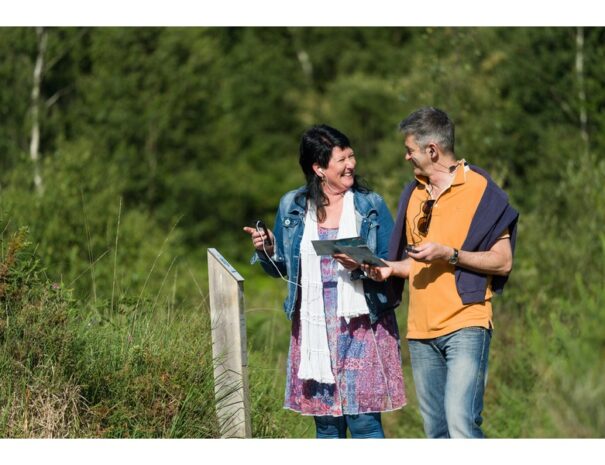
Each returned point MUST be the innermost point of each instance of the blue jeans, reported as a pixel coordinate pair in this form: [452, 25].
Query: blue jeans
[364, 425]
[450, 374]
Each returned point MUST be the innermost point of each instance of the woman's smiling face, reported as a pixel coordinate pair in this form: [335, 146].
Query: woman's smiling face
[341, 170]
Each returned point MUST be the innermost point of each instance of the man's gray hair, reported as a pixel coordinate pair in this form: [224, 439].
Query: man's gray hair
[430, 124]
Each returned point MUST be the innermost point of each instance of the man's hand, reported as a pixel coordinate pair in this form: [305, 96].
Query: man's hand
[498, 260]
[430, 252]
[379, 273]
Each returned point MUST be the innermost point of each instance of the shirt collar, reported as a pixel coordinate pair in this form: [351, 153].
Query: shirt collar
[460, 173]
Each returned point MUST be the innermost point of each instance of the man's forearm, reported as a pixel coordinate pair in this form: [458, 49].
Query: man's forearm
[496, 261]
[401, 269]
[489, 262]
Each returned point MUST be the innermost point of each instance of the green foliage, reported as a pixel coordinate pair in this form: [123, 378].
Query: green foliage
[573, 367]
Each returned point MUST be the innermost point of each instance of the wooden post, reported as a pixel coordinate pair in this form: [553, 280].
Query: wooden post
[229, 347]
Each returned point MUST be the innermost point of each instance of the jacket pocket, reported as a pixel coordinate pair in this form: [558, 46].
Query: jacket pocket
[289, 225]
[371, 235]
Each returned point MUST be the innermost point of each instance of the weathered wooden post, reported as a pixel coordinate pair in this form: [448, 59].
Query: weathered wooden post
[229, 347]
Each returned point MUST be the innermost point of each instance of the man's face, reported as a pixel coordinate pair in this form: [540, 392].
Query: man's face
[419, 158]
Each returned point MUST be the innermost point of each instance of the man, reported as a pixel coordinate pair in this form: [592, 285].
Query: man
[453, 240]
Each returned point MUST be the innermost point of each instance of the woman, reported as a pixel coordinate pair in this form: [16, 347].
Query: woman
[344, 363]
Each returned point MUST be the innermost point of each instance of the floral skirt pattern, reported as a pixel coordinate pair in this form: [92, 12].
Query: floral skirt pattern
[366, 360]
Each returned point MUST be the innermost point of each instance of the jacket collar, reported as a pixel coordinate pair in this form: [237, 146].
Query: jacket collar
[299, 206]
[363, 205]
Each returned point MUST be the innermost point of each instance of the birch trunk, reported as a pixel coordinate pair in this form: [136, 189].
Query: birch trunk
[581, 88]
[34, 147]
[301, 53]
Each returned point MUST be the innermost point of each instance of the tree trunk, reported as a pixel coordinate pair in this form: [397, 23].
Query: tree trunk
[34, 147]
[301, 53]
[581, 88]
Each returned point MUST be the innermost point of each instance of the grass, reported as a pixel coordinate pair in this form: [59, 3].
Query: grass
[72, 371]
[127, 368]
[136, 366]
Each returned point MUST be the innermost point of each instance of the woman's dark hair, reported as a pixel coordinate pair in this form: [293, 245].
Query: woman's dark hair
[316, 146]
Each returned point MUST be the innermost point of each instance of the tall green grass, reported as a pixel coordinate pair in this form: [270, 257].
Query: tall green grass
[74, 370]
[140, 367]
[143, 367]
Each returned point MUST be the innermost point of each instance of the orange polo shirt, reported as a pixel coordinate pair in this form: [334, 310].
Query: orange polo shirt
[435, 308]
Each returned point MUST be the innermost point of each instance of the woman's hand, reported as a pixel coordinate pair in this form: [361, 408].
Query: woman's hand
[258, 238]
[378, 273]
[346, 261]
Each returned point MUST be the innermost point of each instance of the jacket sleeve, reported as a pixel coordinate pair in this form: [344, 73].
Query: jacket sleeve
[396, 249]
[385, 229]
[275, 265]
[381, 294]
[397, 252]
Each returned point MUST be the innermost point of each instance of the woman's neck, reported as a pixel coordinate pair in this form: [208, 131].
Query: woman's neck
[331, 191]
[333, 209]
[332, 194]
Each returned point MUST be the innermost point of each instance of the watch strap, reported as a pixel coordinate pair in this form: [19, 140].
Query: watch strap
[454, 258]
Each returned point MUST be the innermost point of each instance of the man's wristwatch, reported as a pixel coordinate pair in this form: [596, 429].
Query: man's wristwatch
[454, 258]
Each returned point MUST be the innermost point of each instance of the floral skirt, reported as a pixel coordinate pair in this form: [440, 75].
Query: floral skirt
[366, 362]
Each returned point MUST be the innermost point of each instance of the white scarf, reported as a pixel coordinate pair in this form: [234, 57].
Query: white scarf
[314, 351]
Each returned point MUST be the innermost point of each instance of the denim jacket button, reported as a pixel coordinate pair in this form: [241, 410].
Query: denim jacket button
[287, 222]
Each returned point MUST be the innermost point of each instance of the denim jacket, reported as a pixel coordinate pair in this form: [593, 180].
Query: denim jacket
[374, 224]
